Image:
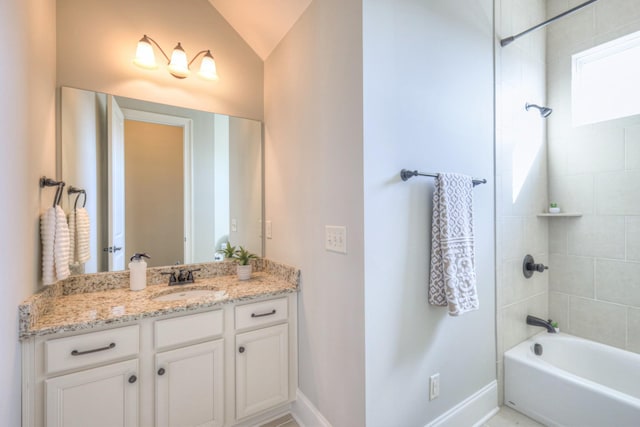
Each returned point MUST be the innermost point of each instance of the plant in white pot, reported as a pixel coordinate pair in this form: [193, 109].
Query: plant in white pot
[244, 263]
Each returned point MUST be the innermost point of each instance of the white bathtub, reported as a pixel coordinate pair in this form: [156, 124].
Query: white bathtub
[575, 382]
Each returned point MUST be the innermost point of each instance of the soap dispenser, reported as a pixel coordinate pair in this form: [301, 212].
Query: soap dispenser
[138, 272]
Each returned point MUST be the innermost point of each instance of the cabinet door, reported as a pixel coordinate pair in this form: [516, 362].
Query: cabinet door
[100, 397]
[190, 386]
[262, 369]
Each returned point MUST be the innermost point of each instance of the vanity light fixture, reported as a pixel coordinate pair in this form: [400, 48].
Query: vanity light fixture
[178, 65]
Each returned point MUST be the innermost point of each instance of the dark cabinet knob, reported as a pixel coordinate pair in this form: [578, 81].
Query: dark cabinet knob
[241, 349]
[161, 371]
[133, 379]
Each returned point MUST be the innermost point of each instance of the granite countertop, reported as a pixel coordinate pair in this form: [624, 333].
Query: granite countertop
[94, 300]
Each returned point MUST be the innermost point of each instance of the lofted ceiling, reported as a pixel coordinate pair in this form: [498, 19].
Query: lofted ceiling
[261, 23]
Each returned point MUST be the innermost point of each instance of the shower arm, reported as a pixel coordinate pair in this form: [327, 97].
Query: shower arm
[511, 39]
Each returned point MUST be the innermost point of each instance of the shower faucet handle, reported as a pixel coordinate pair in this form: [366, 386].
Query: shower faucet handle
[529, 266]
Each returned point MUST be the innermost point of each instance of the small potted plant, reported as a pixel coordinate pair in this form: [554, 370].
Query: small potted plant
[228, 251]
[244, 263]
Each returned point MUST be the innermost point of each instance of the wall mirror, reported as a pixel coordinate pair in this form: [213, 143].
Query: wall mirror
[173, 182]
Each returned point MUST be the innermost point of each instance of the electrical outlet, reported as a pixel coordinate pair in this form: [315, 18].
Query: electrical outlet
[234, 224]
[268, 229]
[336, 238]
[434, 386]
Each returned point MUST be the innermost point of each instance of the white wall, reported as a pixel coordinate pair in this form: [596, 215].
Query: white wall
[594, 169]
[27, 151]
[428, 90]
[97, 41]
[314, 170]
[521, 172]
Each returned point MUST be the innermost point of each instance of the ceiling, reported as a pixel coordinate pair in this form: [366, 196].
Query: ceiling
[261, 23]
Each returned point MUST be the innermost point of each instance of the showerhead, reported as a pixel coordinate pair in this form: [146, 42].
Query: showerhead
[544, 111]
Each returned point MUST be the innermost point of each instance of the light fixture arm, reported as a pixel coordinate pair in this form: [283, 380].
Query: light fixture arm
[158, 46]
[198, 54]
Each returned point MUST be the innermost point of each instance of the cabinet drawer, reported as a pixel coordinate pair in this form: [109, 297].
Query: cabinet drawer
[186, 329]
[261, 313]
[92, 348]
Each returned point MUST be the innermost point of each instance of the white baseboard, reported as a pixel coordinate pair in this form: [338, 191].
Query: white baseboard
[306, 414]
[473, 411]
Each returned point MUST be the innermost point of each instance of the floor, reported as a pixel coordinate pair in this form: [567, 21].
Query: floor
[507, 417]
[286, 421]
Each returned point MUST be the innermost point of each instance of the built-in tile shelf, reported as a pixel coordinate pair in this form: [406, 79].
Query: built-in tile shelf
[562, 215]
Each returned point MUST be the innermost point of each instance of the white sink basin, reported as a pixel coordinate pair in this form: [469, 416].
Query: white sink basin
[192, 293]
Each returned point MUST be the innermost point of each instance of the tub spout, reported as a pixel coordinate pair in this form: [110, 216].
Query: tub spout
[535, 321]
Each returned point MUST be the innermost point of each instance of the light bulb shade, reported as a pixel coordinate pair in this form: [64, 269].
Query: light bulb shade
[145, 57]
[208, 67]
[179, 66]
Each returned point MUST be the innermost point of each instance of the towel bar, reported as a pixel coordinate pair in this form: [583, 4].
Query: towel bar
[405, 174]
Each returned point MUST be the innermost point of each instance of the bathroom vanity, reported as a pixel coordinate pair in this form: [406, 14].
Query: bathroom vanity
[96, 353]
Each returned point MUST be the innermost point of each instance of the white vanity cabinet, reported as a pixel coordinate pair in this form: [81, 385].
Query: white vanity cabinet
[262, 356]
[190, 379]
[183, 369]
[101, 396]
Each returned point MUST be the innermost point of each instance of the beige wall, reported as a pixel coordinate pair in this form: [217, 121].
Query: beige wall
[97, 41]
[314, 170]
[154, 192]
[594, 169]
[27, 151]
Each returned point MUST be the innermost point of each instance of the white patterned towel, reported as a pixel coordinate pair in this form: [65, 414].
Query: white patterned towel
[453, 275]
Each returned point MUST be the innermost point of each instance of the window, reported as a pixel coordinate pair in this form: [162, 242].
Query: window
[606, 81]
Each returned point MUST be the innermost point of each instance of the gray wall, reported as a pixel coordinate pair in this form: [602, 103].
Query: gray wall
[428, 90]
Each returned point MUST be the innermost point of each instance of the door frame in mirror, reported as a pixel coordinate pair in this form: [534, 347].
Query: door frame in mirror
[187, 144]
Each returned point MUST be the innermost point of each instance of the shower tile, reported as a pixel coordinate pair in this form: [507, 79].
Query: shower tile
[574, 193]
[617, 281]
[513, 318]
[512, 237]
[617, 193]
[515, 287]
[598, 321]
[559, 309]
[633, 238]
[596, 236]
[595, 148]
[572, 275]
[633, 333]
[558, 235]
[536, 234]
[632, 146]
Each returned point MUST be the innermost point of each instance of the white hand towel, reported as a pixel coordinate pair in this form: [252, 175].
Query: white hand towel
[71, 219]
[82, 235]
[453, 276]
[61, 245]
[47, 235]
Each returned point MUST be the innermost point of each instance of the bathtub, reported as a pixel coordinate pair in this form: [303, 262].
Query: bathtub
[574, 382]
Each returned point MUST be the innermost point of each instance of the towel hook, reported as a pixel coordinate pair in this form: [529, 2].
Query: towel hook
[78, 191]
[48, 182]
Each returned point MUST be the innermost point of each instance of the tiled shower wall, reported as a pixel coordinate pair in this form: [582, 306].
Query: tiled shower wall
[521, 173]
[594, 275]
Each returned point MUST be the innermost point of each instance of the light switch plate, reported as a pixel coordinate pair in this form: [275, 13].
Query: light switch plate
[269, 229]
[336, 238]
[234, 224]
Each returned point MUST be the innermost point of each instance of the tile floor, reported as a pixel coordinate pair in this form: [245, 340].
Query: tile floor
[507, 417]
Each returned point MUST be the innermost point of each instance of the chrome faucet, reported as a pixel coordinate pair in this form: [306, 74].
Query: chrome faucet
[536, 321]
